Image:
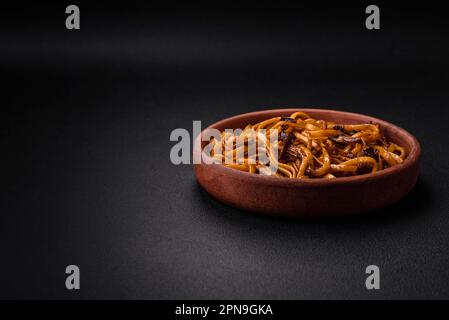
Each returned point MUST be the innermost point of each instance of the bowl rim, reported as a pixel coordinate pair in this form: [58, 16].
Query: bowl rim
[411, 160]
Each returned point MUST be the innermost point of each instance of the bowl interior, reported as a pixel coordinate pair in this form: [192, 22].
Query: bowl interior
[390, 131]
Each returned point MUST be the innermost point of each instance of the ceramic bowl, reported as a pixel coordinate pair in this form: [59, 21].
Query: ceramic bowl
[312, 198]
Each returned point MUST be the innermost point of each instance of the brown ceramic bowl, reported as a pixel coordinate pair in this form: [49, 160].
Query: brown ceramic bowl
[312, 198]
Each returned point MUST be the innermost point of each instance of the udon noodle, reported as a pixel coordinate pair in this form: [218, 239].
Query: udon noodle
[307, 148]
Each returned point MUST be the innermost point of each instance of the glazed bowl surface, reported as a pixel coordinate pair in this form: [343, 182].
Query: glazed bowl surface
[312, 198]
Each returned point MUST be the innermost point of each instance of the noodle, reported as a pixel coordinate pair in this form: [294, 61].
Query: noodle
[308, 148]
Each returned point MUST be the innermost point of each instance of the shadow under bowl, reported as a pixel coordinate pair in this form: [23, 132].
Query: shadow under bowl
[312, 198]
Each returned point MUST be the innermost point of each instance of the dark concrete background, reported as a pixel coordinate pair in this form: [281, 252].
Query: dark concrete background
[87, 179]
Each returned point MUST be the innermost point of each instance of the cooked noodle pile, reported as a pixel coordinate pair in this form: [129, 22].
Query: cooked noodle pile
[309, 148]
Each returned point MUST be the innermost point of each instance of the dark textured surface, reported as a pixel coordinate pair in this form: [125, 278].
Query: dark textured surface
[88, 181]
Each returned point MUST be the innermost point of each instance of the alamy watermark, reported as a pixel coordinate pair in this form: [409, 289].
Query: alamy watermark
[372, 282]
[372, 22]
[72, 282]
[235, 146]
[72, 22]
